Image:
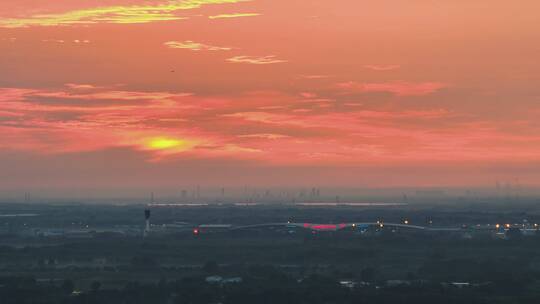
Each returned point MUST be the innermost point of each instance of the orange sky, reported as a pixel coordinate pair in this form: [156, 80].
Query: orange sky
[409, 92]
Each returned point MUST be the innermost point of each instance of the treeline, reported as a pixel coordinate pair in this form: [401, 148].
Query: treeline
[265, 285]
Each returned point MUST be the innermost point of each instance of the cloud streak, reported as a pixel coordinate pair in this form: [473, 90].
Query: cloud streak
[164, 11]
[194, 46]
[382, 67]
[256, 60]
[400, 89]
[233, 15]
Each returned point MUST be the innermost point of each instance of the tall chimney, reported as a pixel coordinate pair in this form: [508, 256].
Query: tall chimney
[147, 218]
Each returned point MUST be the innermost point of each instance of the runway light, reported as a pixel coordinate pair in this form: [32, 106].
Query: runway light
[497, 226]
[507, 225]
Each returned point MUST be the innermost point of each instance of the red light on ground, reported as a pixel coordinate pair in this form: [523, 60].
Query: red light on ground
[195, 231]
[324, 227]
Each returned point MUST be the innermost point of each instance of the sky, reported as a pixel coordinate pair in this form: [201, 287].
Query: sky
[132, 93]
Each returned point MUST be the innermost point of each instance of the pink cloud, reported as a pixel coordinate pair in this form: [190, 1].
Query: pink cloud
[382, 67]
[264, 136]
[397, 88]
[270, 126]
[77, 86]
[315, 76]
[308, 95]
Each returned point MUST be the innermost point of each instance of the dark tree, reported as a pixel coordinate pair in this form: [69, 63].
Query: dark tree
[367, 274]
[95, 286]
[211, 267]
[68, 286]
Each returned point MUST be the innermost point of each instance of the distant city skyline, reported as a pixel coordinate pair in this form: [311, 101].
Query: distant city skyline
[119, 94]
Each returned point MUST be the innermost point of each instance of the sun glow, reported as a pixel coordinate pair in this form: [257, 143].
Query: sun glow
[168, 144]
